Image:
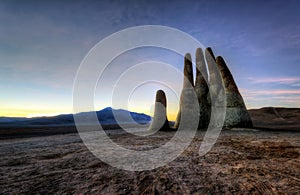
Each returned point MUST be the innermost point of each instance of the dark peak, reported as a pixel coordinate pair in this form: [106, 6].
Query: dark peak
[107, 109]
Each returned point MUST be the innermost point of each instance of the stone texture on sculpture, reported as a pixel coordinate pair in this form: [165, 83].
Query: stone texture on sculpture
[236, 111]
[210, 52]
[201, 89]
[160, 121]
[188, 84]
[188, 71]
[216, 97]
[212, 80]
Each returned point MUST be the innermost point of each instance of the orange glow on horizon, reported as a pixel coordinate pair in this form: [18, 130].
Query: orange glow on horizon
[29, 113]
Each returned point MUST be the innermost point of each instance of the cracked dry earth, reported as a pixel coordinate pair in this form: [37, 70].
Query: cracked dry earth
[241, 162]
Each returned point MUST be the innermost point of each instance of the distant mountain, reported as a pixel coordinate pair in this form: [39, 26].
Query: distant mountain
[105, 116]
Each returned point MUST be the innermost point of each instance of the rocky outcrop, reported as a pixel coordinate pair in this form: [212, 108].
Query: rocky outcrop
[160, 121]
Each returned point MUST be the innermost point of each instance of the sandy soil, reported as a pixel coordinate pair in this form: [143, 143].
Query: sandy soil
[241, 162]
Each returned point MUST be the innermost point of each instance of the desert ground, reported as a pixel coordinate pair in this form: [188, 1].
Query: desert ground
[243, 161]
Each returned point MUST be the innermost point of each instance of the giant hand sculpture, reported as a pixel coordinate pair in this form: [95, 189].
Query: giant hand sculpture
[207, 89]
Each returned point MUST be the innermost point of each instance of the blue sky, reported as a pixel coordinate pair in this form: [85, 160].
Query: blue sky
[43, 43]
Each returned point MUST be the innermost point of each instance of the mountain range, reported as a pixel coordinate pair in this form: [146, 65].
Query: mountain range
[105, 117]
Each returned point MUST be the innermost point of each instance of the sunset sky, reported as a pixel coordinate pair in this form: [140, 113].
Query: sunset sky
[42, 44]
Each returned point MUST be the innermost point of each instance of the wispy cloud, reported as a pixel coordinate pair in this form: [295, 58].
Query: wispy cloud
[293, 81]
[273, 92]
[279, 98]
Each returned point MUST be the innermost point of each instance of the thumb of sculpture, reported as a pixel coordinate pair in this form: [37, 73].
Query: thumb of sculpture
[160, 121]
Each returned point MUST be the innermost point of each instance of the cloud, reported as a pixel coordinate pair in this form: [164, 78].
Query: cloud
[293, 81]
[273, 92]
[276, 98]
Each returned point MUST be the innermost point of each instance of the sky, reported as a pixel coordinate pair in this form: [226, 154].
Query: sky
[42, 44]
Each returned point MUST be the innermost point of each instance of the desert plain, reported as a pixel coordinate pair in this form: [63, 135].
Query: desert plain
[243, 161]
